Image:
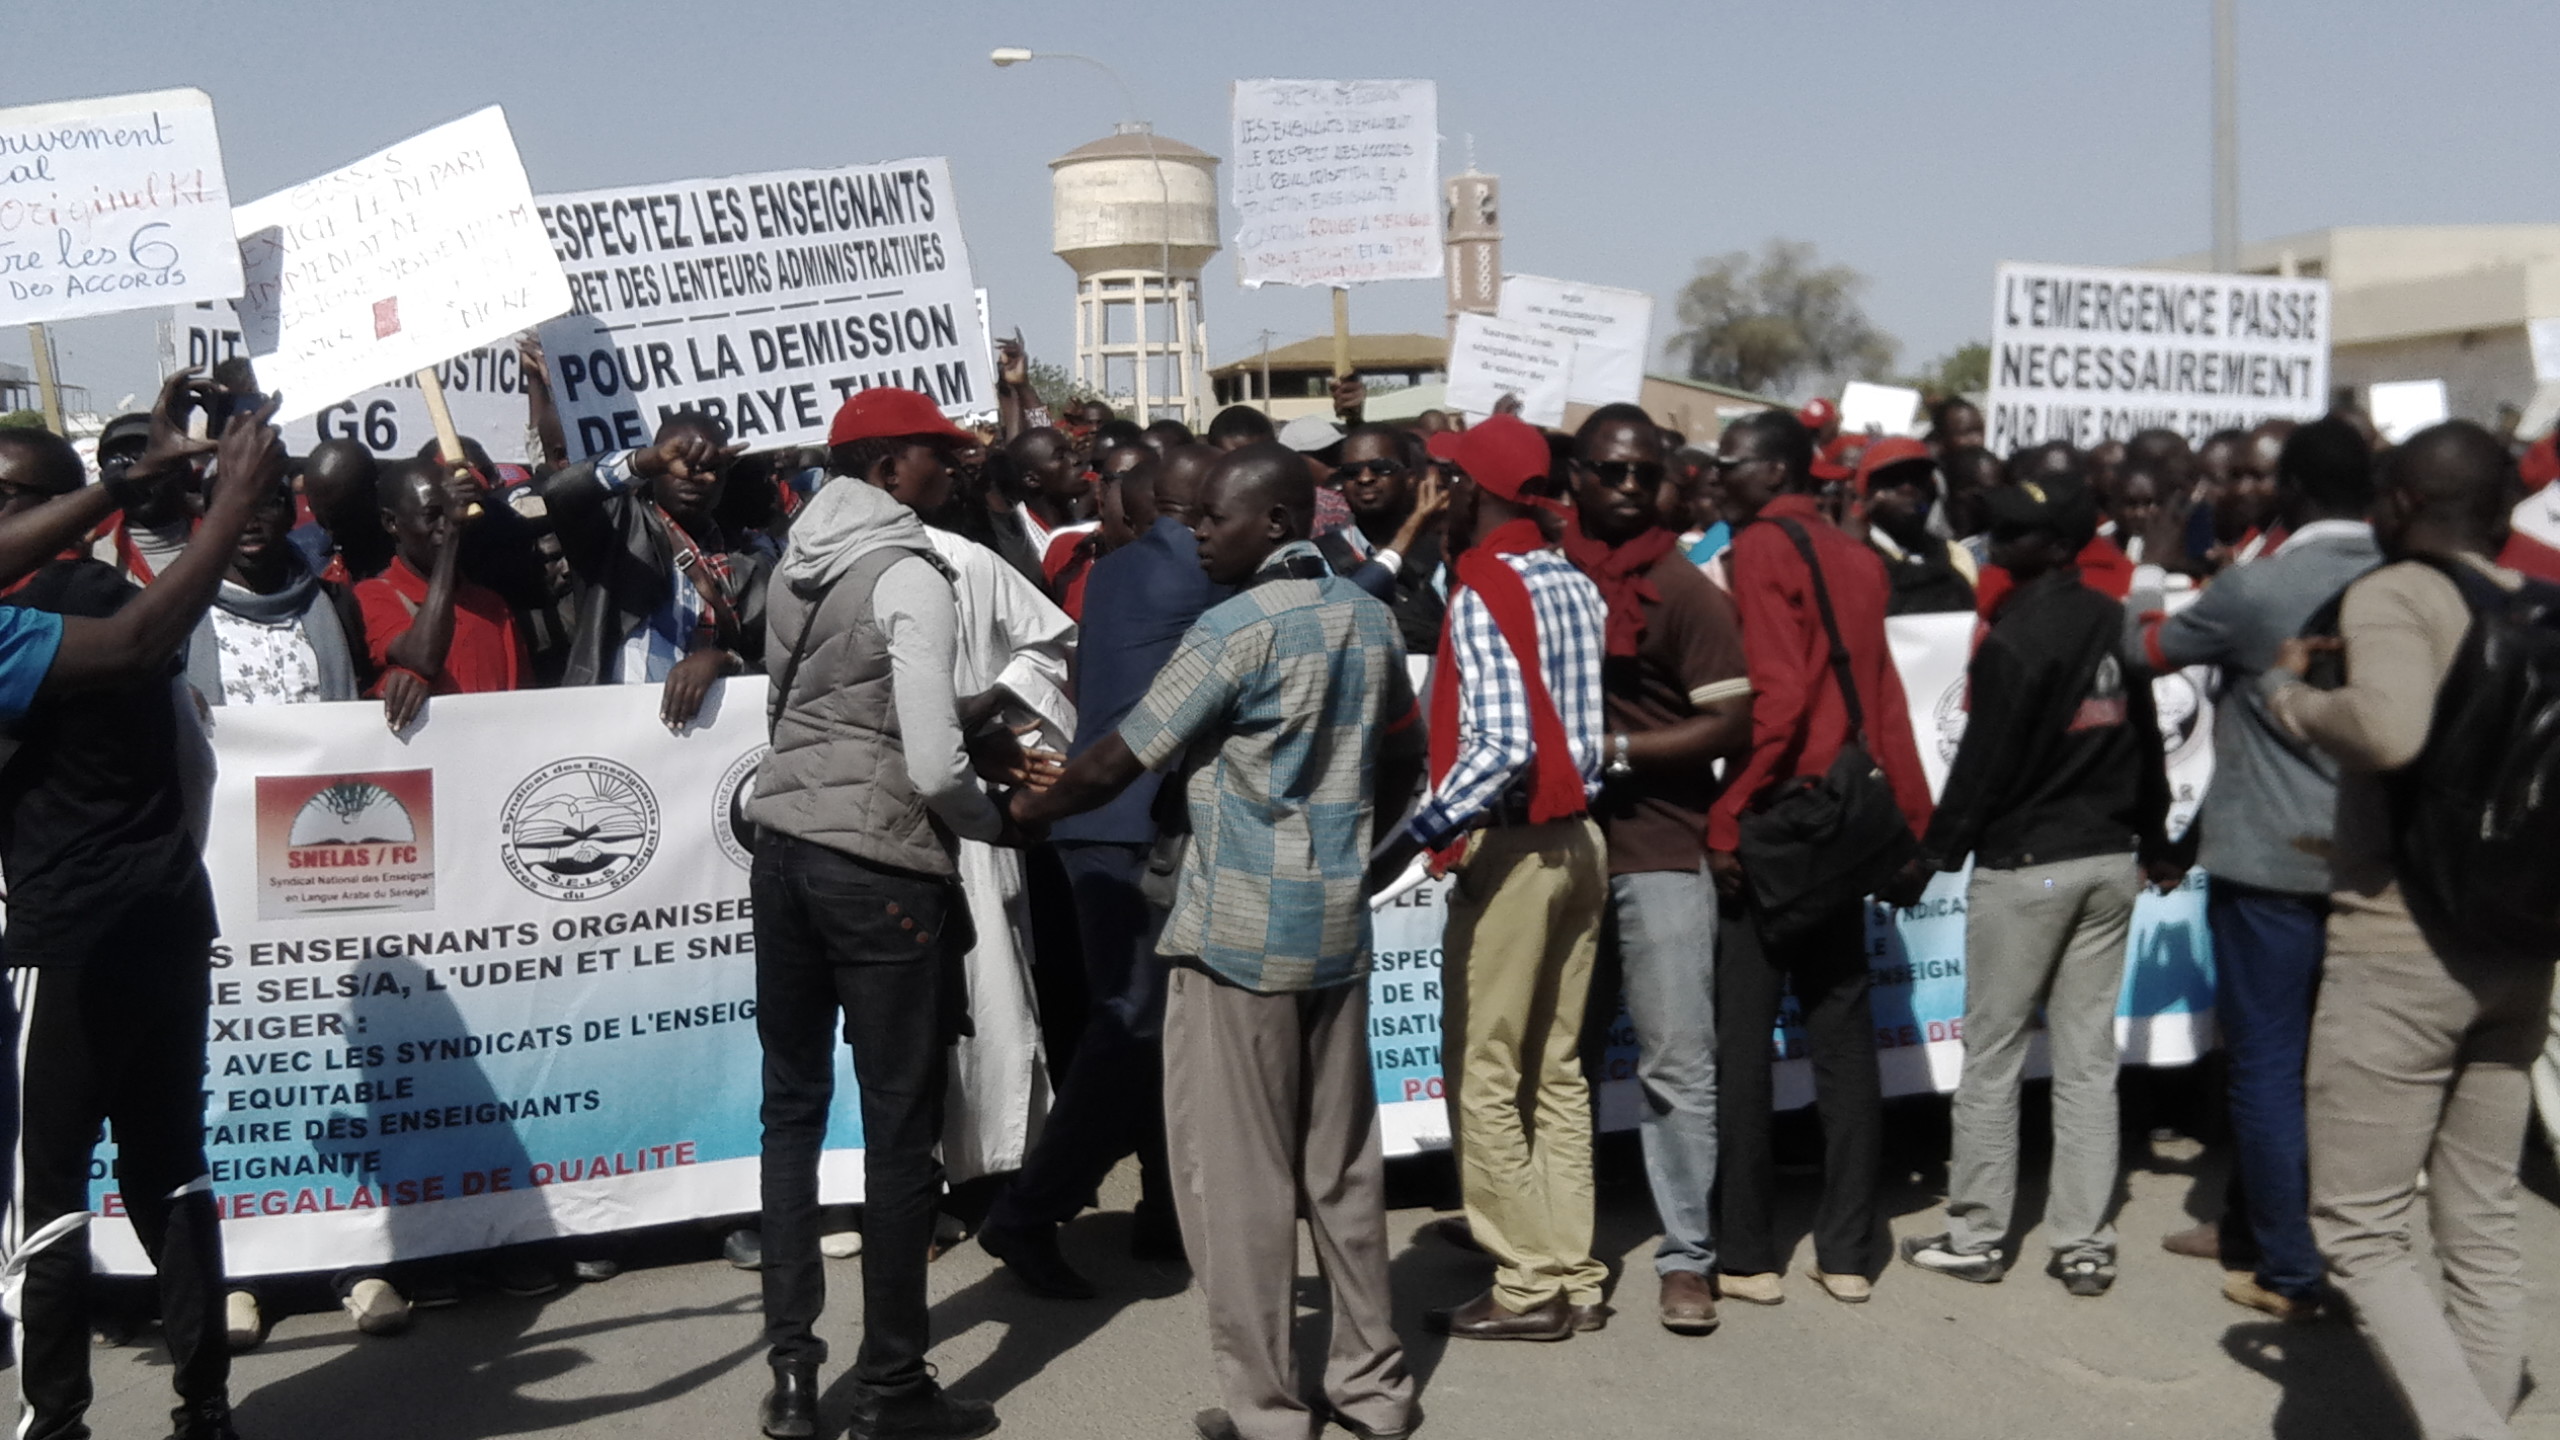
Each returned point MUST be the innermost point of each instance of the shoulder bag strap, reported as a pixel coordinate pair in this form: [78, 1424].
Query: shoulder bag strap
[1830, 627]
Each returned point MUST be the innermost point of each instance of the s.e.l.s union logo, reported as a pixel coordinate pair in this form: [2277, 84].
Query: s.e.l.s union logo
[729, 823]
[579, 828]
[346, 843]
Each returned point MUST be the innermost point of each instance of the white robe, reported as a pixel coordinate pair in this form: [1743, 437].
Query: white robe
[1010, 636]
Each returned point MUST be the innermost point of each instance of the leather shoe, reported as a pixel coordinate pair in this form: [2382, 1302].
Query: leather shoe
[1688, 1304]
[1594, 1316]
[1485, 1318]
[790, 1409]
[1157, 1240]
[1412, 1422]
[925, 1413]
[1031, 1253]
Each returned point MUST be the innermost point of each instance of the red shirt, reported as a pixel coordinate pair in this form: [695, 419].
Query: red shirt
[487, 653]
[1068, 565]
[2532, 557]
[2103, 568]
[1799, 719]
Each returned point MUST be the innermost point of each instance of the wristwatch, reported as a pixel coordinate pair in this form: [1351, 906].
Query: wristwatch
[1619, 765]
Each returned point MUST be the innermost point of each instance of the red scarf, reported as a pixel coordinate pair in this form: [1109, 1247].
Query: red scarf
[1555, 781]
[1623, 573]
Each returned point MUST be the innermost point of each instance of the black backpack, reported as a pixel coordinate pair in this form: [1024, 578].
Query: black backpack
[2476, 817]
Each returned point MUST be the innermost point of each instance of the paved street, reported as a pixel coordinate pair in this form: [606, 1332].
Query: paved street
[670, 1349]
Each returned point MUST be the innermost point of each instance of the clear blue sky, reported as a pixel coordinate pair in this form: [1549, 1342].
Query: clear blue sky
[1920, 144]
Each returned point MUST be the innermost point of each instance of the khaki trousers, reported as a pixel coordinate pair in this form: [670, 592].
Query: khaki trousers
[2420, 1061]
[1523, 933]
[1271, 1113]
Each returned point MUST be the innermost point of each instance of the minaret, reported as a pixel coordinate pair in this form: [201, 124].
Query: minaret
[1475, 243]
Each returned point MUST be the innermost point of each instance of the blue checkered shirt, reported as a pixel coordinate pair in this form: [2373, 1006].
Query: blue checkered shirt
[1283, 698]
[1493, 697]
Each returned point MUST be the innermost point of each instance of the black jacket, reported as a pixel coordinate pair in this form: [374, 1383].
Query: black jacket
[2061, 757]
[623, 561]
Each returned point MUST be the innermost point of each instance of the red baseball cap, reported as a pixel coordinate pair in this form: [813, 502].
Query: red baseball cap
[1892, 450]
[1500, 453]
[884, 412]
[1817, 412]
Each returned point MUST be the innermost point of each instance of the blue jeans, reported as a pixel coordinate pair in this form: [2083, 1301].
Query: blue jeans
[2267, 951]
[1665, 923]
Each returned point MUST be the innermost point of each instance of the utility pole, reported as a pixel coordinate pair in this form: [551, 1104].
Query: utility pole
[2226, 140]
[1266, 372]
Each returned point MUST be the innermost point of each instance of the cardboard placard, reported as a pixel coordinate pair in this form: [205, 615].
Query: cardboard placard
[113, 204]
[408, 257]
[484, 387]
[1881, 409]
[2402, 408]
[1488, 360]
[763, 300]
[1336, 182]
[2088, 355]
[1611, 331]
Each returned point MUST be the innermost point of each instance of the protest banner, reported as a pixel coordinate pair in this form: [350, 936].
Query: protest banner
[113, 204]
[1611, 331]
[392, 265]
[1335, 182]
[1489, 359]
[484, 386]
[2089, 355]
[2402, 408]
[486, 982]
[1868, 408]
[762, 300]
[1918, 954]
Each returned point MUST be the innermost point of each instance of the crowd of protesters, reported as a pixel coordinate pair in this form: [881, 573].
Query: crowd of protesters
[1161, 688]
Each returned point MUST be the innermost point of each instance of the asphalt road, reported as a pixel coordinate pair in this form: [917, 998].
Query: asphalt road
[670, 1348]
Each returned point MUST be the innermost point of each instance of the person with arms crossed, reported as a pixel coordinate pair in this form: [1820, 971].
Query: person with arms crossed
[1289, 712]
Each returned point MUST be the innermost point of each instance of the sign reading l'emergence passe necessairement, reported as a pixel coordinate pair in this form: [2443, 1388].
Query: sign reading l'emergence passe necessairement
[113, 204]
[1336, 182]
[763, 300]
[2088, 355]
[409, 257]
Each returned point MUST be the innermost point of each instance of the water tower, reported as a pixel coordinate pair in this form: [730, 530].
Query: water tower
[1136, 216]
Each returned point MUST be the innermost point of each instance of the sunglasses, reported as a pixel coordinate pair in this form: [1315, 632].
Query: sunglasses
[1614, 473]
[1383, 469]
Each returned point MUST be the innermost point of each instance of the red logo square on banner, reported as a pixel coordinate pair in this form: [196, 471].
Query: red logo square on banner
[386, 318]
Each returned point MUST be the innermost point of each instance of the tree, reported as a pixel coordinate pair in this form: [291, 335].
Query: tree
[1786, 318]
[1965, 370]
[1059, 388]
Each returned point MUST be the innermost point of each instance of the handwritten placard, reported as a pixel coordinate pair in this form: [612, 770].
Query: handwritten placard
[113, 204]
[1489, 359]
[1611, 331]
[403, 259]
[1336, 182]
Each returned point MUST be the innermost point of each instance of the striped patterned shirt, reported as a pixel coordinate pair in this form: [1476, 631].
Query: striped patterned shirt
[1493, 697]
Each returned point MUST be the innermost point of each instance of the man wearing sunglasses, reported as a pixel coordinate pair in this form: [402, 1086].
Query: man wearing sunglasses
[1397, 501]
[1677, 699]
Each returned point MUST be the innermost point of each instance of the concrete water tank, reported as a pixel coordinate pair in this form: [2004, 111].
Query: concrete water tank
[1118, 202]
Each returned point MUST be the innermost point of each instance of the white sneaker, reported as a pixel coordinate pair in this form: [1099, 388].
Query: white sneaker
[242, 1326]
[842, 1245]
[376, 1307]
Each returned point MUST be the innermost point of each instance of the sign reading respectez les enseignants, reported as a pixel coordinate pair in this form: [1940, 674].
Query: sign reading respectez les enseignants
[762, 300]
[2087, 355]
[113, 204]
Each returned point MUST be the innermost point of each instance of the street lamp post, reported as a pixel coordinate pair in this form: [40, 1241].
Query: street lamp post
[1007, 56]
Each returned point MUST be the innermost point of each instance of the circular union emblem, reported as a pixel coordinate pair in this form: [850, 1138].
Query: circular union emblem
[579, 828]
[729, 823]
[2183, 711]
[1950, 715]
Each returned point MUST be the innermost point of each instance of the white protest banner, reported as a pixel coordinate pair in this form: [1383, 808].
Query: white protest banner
[406, 258]
[1866, 407]
[2402, 408]
[2542, 337]
[113, 204]
[485, 983]
[1488, 360]
[2088, 355]
[1611, 331]
[763, 300]
[484, 388]
[1336, 182]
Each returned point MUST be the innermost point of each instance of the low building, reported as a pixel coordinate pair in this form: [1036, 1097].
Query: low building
[1297, 379]
[2464, 304]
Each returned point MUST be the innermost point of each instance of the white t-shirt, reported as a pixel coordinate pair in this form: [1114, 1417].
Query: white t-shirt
[266, 664]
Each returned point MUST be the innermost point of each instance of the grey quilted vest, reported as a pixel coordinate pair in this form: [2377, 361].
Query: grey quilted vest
[837, 775]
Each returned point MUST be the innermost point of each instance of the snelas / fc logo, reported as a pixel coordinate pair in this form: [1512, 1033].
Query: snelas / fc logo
[579, 828]
[346, 843]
